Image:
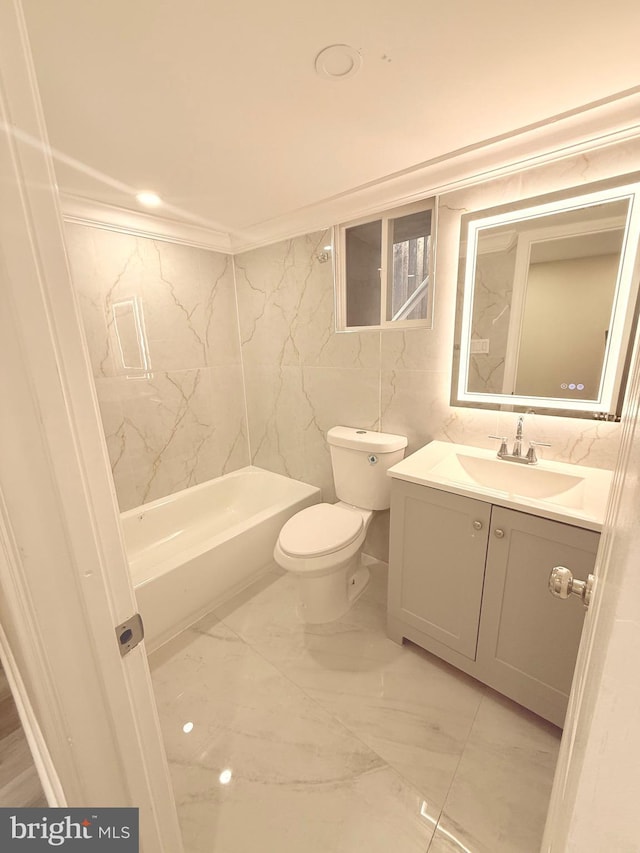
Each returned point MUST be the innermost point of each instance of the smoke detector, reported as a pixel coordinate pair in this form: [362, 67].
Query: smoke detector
[338, 62]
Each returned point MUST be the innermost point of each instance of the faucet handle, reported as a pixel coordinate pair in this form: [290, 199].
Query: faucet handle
[503, 446]
[532, 457]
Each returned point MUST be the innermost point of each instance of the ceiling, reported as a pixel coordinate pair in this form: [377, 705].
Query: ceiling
[218, 108]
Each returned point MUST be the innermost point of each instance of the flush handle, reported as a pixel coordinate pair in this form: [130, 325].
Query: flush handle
[372, 459]
[562, 584]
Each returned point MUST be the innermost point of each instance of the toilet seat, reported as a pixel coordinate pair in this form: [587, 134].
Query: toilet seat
[319, 530]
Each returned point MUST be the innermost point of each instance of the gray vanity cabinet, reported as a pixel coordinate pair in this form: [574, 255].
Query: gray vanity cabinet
[468, 581]
[528, 640]
[440, 541]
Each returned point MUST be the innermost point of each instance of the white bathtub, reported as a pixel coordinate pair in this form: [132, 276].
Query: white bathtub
[194, 549]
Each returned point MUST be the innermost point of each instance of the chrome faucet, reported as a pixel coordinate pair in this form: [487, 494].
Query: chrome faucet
[517, 444]
[516, 453]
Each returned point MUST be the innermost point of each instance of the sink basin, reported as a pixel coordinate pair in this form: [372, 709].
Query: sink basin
[575, 494]
[513, 477]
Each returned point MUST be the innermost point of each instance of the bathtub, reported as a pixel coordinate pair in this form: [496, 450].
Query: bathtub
[193, 550]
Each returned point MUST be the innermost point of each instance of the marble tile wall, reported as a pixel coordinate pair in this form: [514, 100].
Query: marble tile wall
[303, 377]
[162, 329]
[573, 440]
[416, 365]
[174, 407]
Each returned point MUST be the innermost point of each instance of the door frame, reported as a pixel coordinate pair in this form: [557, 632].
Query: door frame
[593, 804]
[61, 550]
[64, 577]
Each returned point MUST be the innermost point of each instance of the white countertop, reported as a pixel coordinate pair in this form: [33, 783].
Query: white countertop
[574, 494]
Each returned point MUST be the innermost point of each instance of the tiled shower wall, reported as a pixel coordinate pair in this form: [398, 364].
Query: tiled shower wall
[302, 377]
[182, 420]
[162, 328]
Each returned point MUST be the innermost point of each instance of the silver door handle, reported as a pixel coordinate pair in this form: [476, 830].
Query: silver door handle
[562, 584]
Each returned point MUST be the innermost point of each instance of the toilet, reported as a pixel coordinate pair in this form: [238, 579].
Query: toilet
[322, 544]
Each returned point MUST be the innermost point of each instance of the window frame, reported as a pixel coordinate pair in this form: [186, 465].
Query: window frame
[386, 267]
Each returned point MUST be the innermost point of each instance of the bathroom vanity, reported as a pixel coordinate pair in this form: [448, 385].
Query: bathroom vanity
[473, 542]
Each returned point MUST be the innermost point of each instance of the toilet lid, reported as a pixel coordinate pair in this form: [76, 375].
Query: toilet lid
[320, 529]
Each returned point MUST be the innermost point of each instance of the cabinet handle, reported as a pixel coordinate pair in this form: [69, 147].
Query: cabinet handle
[499, 533]
[477, 525]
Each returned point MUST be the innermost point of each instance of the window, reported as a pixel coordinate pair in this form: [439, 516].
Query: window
[384, 269]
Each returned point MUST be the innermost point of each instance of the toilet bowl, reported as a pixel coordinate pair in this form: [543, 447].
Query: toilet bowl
[322, 544]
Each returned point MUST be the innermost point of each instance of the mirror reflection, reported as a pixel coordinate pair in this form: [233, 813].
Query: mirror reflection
[543, 298]
[547, 302]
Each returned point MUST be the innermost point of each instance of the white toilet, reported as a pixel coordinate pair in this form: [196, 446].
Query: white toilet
[322, 544]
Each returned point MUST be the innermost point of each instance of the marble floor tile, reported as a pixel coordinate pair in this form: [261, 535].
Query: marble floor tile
[499, 796]
[410, 708]
[296, 778]
[334, 738]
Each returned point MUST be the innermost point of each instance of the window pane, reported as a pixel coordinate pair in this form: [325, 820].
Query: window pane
[363, 244]
[409, 288]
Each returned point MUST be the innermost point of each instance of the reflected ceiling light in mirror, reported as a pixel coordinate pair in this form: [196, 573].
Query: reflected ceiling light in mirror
[188, 727]
[148, 198]
[225, 777]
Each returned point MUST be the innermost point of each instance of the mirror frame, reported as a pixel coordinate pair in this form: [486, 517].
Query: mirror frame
[624, 313]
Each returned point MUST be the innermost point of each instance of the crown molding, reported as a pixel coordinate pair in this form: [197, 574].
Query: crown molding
[587, 128]
[97, 214]
[596, 125]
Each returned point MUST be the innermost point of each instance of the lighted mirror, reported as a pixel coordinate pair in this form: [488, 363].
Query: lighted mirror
[547, 304]
[384, 269]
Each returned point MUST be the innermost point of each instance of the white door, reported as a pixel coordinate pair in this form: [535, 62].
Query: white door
[594, 802]
[596, 790]
[64, 579]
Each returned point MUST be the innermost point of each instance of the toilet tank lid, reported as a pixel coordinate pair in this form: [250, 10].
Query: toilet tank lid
[365, 439]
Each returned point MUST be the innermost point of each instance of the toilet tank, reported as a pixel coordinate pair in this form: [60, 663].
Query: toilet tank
[360, 459]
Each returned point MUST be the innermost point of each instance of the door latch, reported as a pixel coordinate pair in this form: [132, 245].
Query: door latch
[129, 634]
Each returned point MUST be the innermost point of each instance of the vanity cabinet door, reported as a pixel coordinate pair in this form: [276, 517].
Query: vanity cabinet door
[436, 566]
[528, 639]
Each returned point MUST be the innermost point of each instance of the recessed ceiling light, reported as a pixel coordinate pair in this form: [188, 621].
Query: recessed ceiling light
[188, 727]
[225, 777]
[148, 198]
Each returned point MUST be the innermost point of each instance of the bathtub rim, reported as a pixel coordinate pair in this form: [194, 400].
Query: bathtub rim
[147, 574]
